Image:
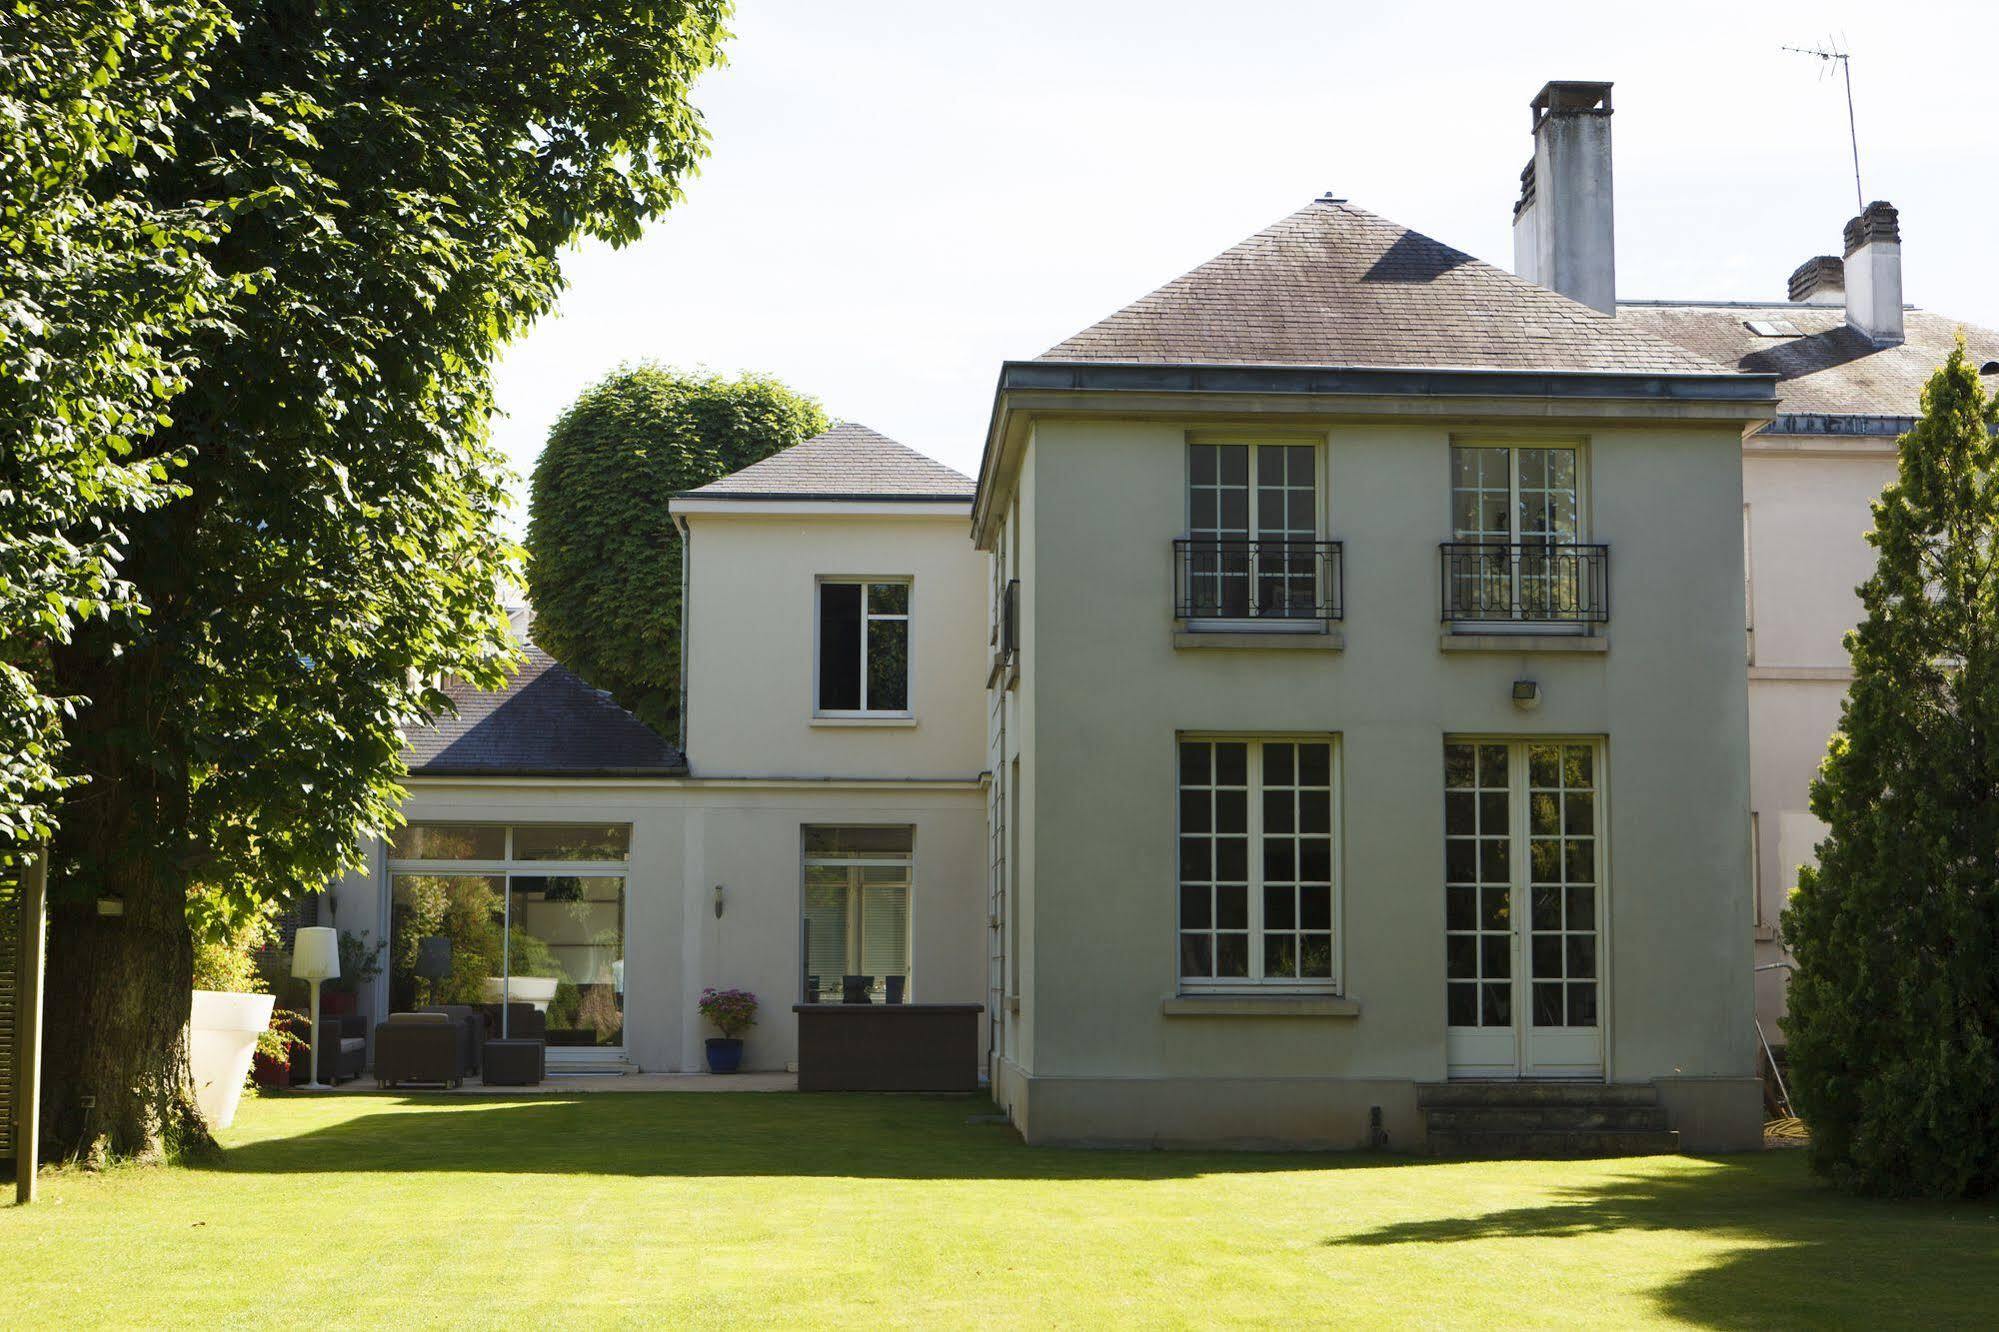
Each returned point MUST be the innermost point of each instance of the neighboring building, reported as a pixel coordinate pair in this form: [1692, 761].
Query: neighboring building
[1329, 766]
[1851, 360]
[825, 820]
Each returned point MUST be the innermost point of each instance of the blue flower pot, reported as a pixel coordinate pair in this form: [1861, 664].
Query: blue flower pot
[725, 1054]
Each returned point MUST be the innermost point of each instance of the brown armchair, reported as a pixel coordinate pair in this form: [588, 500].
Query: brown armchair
[343, 1047]
[472, 1033]
[420, 1047]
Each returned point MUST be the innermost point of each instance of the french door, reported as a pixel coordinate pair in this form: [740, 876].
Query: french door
[1523, 908]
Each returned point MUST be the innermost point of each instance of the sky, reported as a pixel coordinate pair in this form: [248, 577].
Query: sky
[901, 196]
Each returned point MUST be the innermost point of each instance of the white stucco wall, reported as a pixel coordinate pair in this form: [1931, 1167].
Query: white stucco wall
[750, 666]
[1808, 513]
[689, 836]
[1104, 691]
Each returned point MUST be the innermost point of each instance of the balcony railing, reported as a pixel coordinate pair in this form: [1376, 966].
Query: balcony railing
[1532, 582]
[1231, 578]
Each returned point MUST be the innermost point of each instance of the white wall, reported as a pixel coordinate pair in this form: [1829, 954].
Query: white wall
[1809, 511]
[752, 620]
[689, 836]
[1104, 691]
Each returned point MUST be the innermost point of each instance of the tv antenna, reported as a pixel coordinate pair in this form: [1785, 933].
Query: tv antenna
[1828, 55]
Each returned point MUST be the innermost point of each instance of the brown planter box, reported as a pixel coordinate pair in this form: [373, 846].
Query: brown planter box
[888, 1047]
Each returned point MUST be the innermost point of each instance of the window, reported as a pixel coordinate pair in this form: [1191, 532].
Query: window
[863, 646]
[1258, 883]
[1252, 526]
[1516, 527]
[526, 923]
[857, 890]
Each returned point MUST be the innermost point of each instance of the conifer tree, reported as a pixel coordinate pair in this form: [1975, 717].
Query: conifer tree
[1894, 1010]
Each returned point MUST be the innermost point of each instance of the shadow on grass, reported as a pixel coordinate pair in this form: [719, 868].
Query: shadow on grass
[717, 1134]
[1797, 1253]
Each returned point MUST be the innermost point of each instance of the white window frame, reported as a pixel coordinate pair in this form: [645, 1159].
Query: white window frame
[868, 617]
[1321, 491]
[1513, 446]
[808, 861]
[1255, 983]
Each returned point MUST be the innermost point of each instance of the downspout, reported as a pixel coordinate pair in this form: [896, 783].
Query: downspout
[686, 563]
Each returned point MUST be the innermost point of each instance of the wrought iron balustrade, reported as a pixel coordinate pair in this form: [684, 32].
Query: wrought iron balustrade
[1244, 578]
[1536, 582]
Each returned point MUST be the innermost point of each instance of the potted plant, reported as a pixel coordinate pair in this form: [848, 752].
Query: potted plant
[227, 1015]
[533, 974]
[733, 1012]
[359, 965]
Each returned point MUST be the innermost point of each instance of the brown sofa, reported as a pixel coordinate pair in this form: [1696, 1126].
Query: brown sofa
[420, 1047]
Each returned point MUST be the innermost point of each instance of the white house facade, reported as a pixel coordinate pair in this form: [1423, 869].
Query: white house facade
[1326, 720]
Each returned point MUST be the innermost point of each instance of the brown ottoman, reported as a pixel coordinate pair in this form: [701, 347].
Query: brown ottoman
[512, 1063]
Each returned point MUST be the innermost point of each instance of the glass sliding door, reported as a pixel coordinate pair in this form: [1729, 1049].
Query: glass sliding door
[523, 923]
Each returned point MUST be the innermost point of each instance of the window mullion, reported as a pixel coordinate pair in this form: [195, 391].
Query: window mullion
[864, 647]
[1254, 823]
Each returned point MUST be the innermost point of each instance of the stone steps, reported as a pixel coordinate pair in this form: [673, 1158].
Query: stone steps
[1544, 1119]
[1548, 1118]
[1552, 1144]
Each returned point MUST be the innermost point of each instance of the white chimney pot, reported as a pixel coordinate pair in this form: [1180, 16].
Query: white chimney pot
[1874, 273]
[1564, 232]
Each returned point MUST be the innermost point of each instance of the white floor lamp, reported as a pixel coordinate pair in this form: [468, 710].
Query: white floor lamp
[316, 957]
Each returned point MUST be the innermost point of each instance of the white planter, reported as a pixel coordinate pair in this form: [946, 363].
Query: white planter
[222, 1037]
[536, 990]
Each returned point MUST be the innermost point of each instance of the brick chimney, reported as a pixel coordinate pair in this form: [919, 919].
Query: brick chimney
[1819, 281]
[1874, 273]
[1563, 233]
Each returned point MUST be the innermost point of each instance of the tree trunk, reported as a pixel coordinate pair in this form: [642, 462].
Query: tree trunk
[116, 1082]
[115, 1071]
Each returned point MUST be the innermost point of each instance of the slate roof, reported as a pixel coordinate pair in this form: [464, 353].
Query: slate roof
[848, 462]
[1335, 285]
[1828, 369]
[546, 722]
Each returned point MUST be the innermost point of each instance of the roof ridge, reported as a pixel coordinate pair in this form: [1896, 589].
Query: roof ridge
[1333, 284]
[848, 459]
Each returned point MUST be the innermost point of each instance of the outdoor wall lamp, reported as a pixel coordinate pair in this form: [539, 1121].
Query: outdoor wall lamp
[718, 901]
[1526, 695]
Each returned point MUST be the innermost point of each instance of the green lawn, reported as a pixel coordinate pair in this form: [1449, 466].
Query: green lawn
[728, 1208]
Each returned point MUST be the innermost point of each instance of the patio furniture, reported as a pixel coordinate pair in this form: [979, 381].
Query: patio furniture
[472, 1027]
[524, 1022]
[888, 1047]
[343, 1049]
[419, 1047]
[515, 1063]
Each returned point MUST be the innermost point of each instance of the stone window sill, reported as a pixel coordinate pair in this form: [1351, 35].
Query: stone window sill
[1467, 642]
[865, 723]
[1329, 640]
[1260, 1005]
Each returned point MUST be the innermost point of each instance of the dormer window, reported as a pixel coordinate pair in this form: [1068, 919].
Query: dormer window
[863, 647]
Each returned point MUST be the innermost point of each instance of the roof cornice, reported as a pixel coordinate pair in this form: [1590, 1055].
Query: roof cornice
[797, 505]
[1098, 385]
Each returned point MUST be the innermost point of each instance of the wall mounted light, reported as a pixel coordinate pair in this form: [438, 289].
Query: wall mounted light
[718, 901]
[1526, 695]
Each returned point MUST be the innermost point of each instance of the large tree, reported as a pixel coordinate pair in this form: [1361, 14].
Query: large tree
[1894, 1009]
[397, 182]
[97, 294]
[603, 556]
